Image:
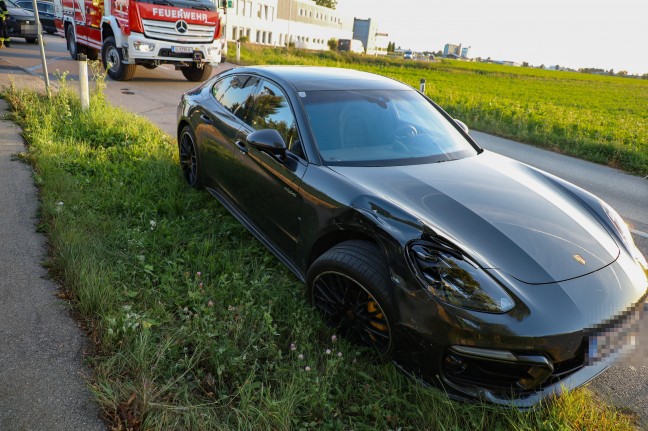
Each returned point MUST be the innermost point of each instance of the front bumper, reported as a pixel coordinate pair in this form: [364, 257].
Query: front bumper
[142, 49]
[27, 28]
[560, 336]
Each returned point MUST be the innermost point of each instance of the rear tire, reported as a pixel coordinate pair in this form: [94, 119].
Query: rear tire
[113, 61]
[189, 157]
[195, 74]
[31, 40]
[350, 286]
[72, 46]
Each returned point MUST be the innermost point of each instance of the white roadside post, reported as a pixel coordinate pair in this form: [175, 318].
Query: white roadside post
[238, 52]
[83, 82]
[42, 47]
[422, 85]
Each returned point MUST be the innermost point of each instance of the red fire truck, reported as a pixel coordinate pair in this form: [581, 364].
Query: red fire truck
[127, 33]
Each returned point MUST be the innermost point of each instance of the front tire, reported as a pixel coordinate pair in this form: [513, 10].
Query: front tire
[195, 74]
[113, 61]
[189, 157]
[350, 286]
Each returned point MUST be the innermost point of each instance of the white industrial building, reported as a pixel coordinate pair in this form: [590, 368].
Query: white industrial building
[279, 22]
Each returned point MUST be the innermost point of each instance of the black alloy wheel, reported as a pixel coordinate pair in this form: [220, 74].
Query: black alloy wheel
[188, 157]
[350, 286]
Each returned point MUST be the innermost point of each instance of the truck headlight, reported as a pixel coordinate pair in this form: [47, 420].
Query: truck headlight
[456, 280]
[143, 46]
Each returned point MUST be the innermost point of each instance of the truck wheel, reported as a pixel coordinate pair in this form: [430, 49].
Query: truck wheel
[113, 60]
[195, 74]
[72, 46]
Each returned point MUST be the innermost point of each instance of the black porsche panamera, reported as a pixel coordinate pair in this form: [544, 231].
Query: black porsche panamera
[472, 271]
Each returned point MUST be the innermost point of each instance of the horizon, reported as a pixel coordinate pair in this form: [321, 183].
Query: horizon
[572, 34]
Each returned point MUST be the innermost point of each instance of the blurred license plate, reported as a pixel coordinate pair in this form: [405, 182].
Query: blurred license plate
[182, 49]
[618, 337]
[28, 28]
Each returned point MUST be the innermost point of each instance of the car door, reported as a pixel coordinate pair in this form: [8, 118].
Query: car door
[216, 123]
[269, 186]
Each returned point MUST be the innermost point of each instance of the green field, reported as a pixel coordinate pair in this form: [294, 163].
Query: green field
[195, 325]
[599, 118]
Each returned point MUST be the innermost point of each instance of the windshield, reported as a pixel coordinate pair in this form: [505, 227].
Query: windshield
[191, 4]
[380, 128]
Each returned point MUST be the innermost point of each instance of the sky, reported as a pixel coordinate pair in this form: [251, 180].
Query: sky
[610, 34]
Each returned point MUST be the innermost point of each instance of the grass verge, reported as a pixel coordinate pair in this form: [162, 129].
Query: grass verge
[196, 325]
[603, 119]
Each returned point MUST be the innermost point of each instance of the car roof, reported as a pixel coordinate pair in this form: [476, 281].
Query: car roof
[311, 78]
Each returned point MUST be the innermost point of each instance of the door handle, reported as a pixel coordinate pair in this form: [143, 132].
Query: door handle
[205, 119]
[241, 146]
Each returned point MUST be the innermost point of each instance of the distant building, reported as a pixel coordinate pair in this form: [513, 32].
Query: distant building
[281, 22]
[455, 51]
[365, 30]
[450, 50]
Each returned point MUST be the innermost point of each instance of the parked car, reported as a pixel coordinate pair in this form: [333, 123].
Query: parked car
[352, 45]
[45, 13]
[472, 271]
[21, 23]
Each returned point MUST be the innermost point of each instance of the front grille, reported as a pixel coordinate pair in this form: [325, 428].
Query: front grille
[165, 30]
[505, 377]
[165, 52]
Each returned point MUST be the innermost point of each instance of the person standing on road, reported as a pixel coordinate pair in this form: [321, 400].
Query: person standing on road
[4, 33]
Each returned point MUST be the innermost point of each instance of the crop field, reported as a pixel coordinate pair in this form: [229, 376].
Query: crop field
[195, 326]
[599, 118]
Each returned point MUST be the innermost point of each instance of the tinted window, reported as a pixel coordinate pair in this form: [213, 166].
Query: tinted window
[272, 111]
[235, 94]
[381, 127]
[46, 8]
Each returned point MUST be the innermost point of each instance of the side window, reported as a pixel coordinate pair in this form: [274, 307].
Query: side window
[272, 111]
[235, 93]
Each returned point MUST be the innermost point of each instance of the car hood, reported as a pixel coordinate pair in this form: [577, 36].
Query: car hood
[20, 13]
[505, 214]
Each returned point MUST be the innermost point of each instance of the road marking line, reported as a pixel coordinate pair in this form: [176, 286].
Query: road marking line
[640, 233]
[49, 61]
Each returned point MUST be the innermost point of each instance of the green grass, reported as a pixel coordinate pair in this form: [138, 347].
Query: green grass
[599, 118]
[192, 319]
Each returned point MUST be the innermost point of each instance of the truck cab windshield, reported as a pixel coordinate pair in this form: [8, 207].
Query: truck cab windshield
[189, 4]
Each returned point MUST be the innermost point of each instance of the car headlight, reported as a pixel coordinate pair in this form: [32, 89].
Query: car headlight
[456, 280]
[624, 233]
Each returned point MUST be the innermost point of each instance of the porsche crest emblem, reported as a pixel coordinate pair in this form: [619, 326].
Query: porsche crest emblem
[578, 258]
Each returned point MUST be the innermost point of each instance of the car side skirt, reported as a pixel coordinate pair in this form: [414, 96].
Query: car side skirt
[254, 230]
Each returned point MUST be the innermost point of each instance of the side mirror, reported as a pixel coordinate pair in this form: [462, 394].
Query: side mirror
[268, 140]
[463, 126]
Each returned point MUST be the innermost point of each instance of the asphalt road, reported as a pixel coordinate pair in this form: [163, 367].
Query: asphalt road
[155, 95]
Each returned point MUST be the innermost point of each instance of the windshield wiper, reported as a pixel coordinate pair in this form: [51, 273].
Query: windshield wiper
[199, 6]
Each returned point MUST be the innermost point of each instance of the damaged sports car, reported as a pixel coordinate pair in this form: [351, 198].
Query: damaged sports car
[473, 272]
